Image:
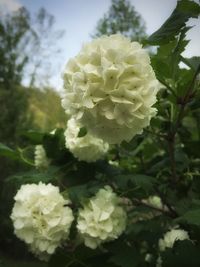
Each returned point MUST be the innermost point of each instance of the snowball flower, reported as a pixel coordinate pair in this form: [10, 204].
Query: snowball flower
[171, 237]
[41, 160]
[111, 87]
[87, 148]
[41, 218]
[102, 219]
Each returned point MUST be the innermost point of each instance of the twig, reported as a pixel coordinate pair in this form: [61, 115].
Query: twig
[168, 87]
[172, 133]
[185, 101]
[167, 212]
[165, 202]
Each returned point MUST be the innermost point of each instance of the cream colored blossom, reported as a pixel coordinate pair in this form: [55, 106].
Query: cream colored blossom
[154, 201]
[87, 148]
[41, 160]
[170, 237]
[168, 241]
[102, 219]
[111, 87]
[41, 218]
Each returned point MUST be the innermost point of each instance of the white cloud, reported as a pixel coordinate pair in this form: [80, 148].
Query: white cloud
[9, 5]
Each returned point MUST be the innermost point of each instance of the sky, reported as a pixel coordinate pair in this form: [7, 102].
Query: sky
[78, 19]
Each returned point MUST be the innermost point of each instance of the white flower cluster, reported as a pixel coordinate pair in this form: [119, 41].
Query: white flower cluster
[87, 148]
[168, 241]
[41, 160]
[111, 87]
[101, 219]
[41, 218]
[171, 237]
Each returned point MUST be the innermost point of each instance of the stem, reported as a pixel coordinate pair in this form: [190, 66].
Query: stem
[172, 133]
[167, 212]
[168, 87]
[25, 159]
[165, 202]
[185, 101]
[171, 143]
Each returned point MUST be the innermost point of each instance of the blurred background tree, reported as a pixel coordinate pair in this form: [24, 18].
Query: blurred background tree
[13, 99]
[26, 46]
[27, 43]
[121, 18]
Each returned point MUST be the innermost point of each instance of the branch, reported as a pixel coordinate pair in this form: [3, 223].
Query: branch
[164, 211]
[165, 202]
[172, 133]
[186, 99]
[167, 86]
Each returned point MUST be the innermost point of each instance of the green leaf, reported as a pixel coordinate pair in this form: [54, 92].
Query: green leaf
[18, 262]
[81, 192]
[192, 62]
[138, 180]
[191, 217]
[54, 145]
[148, 230]
[184, 10]
[34, 137]
[60, 258]
[82, 132]
[125, 255]
[34, 176]
[77, 193]
[184, 254]
[5, 151]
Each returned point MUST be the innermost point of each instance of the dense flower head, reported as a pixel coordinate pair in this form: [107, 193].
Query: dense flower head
[110, 86]
[87, 148]
[41, 160]
[171, 237]
[41, 218]
[101, 219]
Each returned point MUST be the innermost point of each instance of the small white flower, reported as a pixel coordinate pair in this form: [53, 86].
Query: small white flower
[102, 219]
[41, 218]
[171, 237]
[114, 163]
[154, 201]
[111, 87]
[41, 160]
[87, 148]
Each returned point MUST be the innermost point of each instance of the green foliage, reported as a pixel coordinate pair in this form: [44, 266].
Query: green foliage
[8, 152]
[191, 217]
[125, 255]
[178, 256]
[14, 118]
[184, 10]
[22, 41]
[163, 161]
[121, 18]
[13, 29]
